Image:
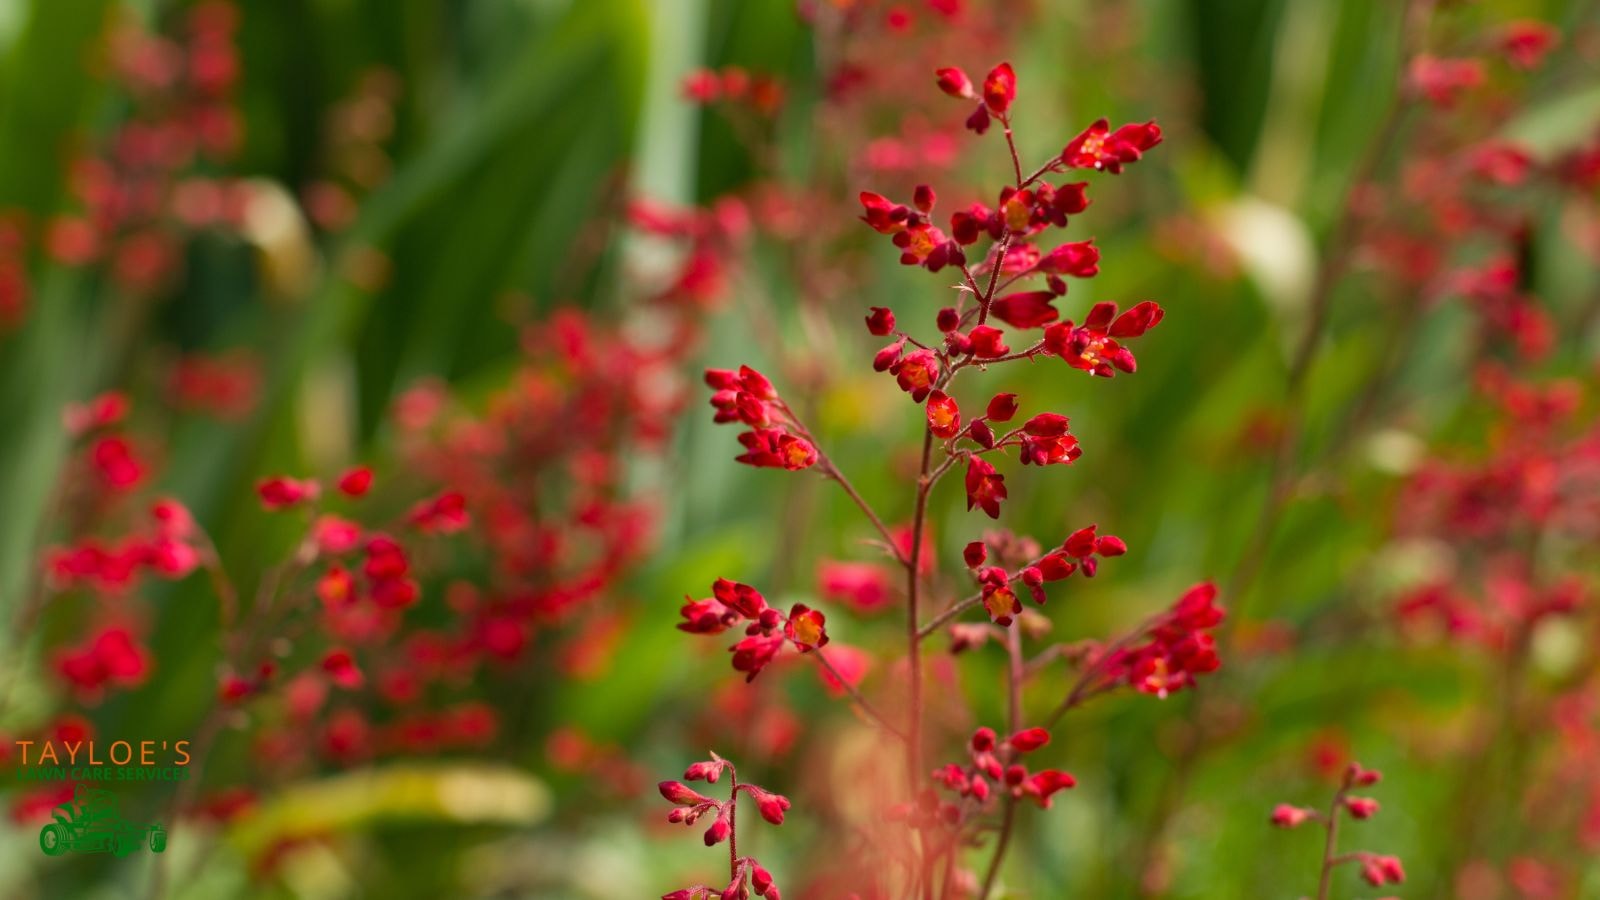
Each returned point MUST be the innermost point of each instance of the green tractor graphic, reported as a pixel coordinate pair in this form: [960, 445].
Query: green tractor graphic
[91, 823]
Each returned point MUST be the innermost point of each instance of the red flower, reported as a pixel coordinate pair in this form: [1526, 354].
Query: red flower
[1043, 784]
[111, 657]
[356, 482]
[1361, 807]
[881, 321]
[444, 514]
[955, 82]
[1527, 41]
[752, 654]
[1002, 407]
[864, 586]
[999, 600]
[806, 628]
[988, 342]
[1286, 816]
[944, 416]
[1443, 81]
[1000, 88]
[1026, 309]
[282, 492]
[916, 373]
[1098, 147]
[771, 806]
[1029, 739]
[1093, 347]
[741, 598]
[1380, 870]
[114, 460]
[985, 487]
[1079, 259]
[341, 667]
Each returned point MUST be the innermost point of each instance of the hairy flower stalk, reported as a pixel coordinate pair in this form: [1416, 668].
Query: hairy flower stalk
[999, 318]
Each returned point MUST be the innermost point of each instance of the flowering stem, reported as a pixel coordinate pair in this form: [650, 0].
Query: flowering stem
[1015, 673]
[733, 824]
[1011, 144]
[1330, 845]
[829, 470]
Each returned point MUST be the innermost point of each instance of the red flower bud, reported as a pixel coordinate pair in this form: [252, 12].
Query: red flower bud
[948, 319]
[955, 82]
[1286, 816]
[1002, 407]
[981, 434]
[1030, 739]
[983, 740]
[974, 554]
[1361, 807]
[356, 482]
[881, 321]
[681, 794]
[923, 198]
[988, 342]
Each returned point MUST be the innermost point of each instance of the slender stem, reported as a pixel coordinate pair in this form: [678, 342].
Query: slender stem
[1330, 845]
[914, 642]
[1011, 144]
[1015, 674]
[857, 696]
[830, 470]
[733, 824]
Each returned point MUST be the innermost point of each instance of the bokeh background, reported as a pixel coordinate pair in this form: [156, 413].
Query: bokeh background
[488, 246]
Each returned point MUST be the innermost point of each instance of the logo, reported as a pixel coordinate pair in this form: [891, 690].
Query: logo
[91, 822]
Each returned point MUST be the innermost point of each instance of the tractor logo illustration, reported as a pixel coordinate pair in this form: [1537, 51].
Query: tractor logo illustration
[91, 823]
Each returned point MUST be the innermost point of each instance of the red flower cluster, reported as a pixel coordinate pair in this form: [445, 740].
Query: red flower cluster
[746, 874]
[1377, 870]
[762, 94]
[767, 631]
[169, 548]
[993, 766]
[775, 439]
[112, 658]
[1179, 648]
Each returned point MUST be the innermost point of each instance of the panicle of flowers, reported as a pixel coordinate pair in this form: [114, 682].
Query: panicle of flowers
[746, 875]
[1376, 869]
[775, 438]
[1010, 282]
[767, 631]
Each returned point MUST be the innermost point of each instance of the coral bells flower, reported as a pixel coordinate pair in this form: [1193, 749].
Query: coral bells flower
[881, 321]
[998, 598]
[1093, 347]
[1286, 816]
[944, 416]
[955, 82]
[444, 514]
[110, 658]
[747, 396]
[1000, 88]
[1025, 309]
[1527, 41]
[356, 482]
[916, 373]
[1381, 870]
[1180, 647]
[690, 805]
[985, 487]
[767, 630]
[1361, 807]
[1443, 81]
[282, 492]
[1098, 147]
[806, 628]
